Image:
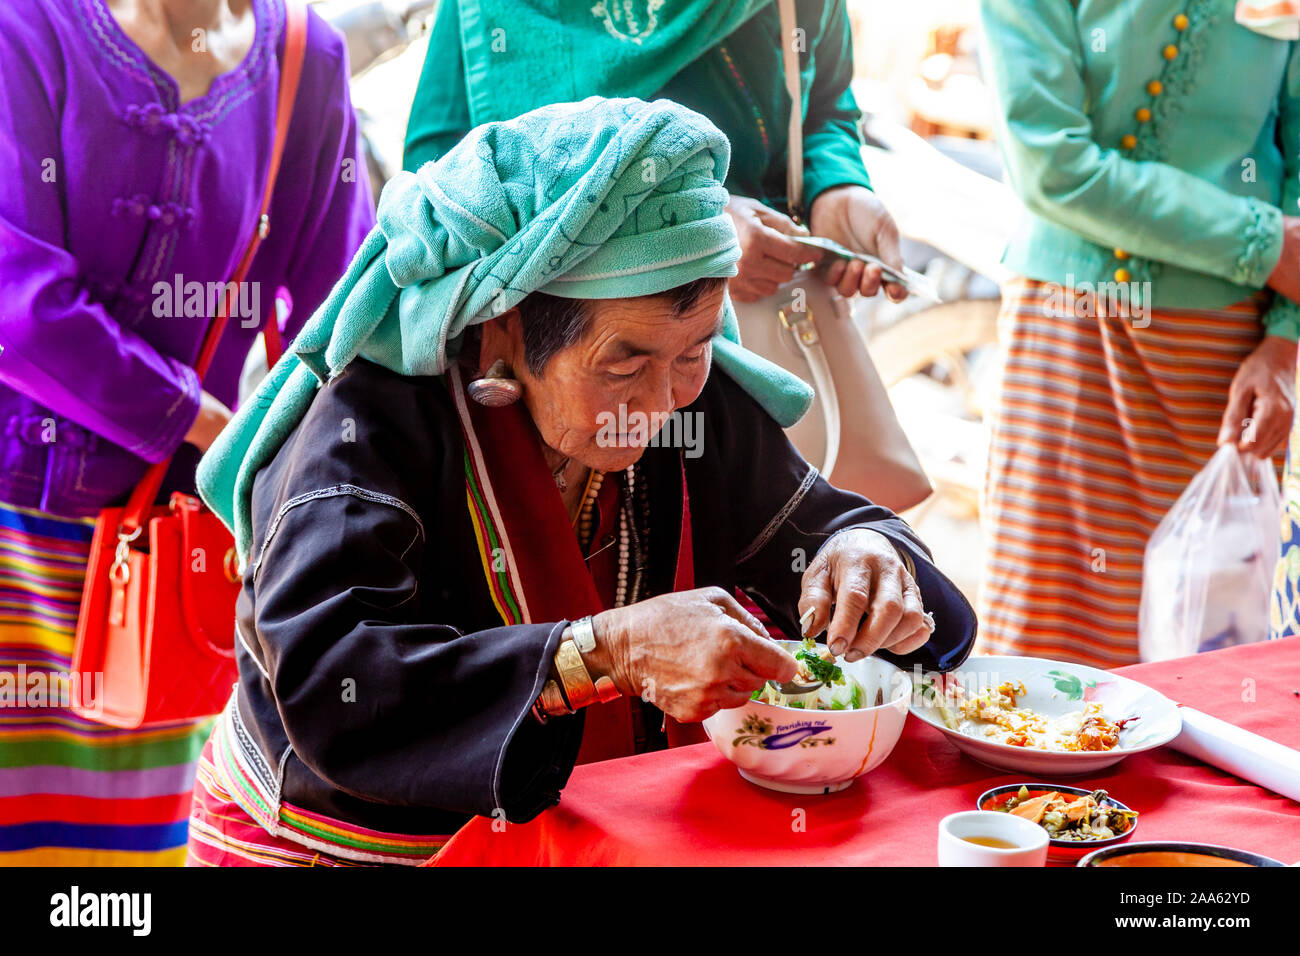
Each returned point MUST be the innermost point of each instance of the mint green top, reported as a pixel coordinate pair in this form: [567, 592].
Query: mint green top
[734, 75]
[1197, 200]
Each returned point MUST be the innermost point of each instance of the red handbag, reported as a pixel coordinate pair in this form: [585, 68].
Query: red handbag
[157, 616]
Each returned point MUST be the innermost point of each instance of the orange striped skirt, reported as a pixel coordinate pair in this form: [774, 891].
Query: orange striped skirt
[1102, 421]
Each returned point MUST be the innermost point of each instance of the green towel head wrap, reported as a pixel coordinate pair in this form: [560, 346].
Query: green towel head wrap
[598, 199]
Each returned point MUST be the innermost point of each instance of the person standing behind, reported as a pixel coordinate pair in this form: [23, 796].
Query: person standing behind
[137, 135]
[728, 69]
[1156, 146]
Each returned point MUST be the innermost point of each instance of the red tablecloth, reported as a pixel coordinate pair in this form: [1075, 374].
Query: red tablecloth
[690, 807]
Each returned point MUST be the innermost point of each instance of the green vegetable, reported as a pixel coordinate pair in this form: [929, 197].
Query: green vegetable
[856, 701]
[821, 669]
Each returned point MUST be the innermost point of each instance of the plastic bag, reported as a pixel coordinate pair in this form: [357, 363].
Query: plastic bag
[1208, 571]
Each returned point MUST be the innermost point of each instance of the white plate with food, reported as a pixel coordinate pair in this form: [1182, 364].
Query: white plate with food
[1031, 715]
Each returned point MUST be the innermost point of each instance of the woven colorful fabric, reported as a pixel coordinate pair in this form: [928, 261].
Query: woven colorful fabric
[74, 792]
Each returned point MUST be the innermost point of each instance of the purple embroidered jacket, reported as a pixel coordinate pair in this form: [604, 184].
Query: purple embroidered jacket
[119, 207]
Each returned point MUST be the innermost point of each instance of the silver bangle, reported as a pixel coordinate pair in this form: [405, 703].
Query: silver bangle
[584, 634]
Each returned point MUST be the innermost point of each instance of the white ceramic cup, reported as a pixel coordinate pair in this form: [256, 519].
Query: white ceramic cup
[1029, 838]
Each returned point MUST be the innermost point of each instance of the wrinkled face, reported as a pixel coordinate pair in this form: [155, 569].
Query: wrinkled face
[601, 400]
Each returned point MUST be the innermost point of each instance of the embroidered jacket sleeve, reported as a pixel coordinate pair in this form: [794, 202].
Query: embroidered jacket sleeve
[377, 699]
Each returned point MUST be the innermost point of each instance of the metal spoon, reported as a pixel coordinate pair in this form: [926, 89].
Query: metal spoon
[791, 687]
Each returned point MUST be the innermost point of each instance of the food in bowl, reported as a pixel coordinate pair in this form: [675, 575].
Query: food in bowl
[838, 691]
[802, 750]
[1072, 842]
[993, 715]
[1068, 816]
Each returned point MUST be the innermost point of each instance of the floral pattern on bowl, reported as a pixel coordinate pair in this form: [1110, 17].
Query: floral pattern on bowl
[815, 751]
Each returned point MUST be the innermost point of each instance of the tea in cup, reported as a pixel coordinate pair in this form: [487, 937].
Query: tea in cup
[989, 838]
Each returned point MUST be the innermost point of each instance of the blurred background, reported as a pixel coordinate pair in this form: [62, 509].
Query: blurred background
[932, 159]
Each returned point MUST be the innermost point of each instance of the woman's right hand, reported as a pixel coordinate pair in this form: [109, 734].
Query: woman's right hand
[213, 416]
[1285, 277]
[690, 653]
[768, 257]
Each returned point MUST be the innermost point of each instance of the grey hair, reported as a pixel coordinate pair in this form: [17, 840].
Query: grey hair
[551, 324]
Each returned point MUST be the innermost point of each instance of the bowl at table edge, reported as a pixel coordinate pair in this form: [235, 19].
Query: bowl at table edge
[815, 751]
[1058, 851]
[1246, 857]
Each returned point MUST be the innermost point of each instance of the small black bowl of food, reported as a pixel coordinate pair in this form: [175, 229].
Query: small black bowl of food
[1077, 821]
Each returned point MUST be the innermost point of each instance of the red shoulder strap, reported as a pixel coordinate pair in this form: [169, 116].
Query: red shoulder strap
[295, 47]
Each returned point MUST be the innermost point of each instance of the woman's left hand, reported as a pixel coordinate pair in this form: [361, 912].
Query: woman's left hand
[877, 605]
[1261, 400]
[854, 217]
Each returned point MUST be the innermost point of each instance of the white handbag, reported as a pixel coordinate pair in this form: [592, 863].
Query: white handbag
[851, 430]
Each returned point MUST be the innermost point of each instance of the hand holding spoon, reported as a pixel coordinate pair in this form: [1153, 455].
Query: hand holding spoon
[791, 688]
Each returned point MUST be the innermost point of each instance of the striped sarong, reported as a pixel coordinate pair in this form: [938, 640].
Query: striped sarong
[239, 821]
[222, 834]
[74, 792]
[1101, 423]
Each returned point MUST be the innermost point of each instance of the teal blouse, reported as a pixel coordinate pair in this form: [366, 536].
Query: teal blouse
[739, 85]
[1152, 142]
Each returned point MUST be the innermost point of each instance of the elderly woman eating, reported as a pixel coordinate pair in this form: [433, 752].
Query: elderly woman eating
[493, 506]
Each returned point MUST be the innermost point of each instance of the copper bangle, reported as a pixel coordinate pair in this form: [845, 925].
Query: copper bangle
[578, 685]
[606, 690]
[553, 701]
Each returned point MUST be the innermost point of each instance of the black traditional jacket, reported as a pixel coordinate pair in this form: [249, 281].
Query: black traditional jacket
[377, 683]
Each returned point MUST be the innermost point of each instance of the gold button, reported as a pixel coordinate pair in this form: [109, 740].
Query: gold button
[1122, 275]
[1129, 141]
[1155, 87]
[1170, 52]
[1121, 254]
[1180, 22]
[1143, 114]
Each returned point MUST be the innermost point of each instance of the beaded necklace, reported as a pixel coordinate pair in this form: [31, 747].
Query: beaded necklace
[633, 540]
[633, 532]
[587, 511]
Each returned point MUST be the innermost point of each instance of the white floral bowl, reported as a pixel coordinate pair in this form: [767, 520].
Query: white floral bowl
[815, 751]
